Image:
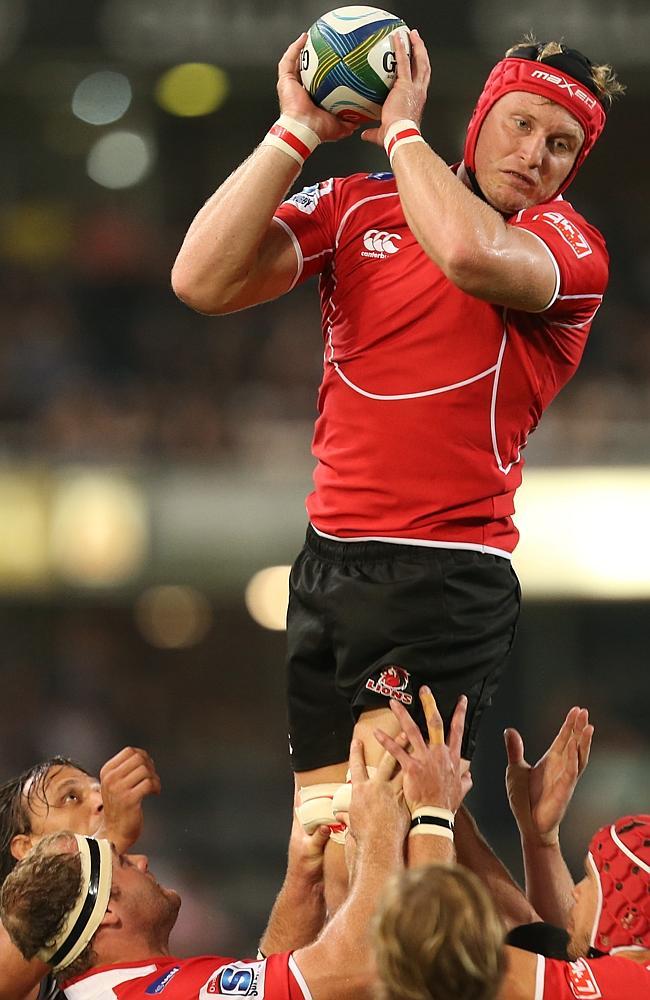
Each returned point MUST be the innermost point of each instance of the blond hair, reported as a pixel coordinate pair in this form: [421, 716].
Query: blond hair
[437, 936]
[603, 75]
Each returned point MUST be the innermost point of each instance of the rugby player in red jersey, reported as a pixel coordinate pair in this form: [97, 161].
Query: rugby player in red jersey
[456, 303]
[54, 795]
[455, 944]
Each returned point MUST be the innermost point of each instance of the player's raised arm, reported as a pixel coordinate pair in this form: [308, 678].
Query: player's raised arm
[526, 148]
[234, 255]
[539, 796]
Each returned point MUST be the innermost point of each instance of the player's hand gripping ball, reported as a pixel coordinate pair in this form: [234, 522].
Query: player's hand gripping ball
[348, 64]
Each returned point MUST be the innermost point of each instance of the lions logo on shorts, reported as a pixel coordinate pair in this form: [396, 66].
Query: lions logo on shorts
[392, 683]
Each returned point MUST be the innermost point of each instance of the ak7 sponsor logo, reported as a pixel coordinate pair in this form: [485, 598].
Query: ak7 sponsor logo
[568, 231]
[392, 683]
[239, 979]
[582, 981]
[563, 84]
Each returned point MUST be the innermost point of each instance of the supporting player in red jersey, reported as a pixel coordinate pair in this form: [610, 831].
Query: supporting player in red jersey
[455, 305]
[438, 934]
[102, 922]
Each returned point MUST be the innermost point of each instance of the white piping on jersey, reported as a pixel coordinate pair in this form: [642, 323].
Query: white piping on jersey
[576, 326]
[363, 201]
[296, 246]
[300, 979]
[100, 986]
[588, 296]
[539, 978]
[412, 395]
[426, 542]
[493, 405]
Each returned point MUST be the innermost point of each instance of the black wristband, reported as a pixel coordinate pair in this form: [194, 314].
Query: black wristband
[431, 821]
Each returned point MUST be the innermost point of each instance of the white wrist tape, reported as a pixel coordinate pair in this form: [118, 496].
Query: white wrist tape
[400, 134]
[343, 794]
[432, 821]
[292, 137]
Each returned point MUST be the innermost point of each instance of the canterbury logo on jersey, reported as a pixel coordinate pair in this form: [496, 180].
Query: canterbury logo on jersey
[379, 243]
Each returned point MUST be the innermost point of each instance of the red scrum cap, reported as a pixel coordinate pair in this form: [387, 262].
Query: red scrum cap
[620, 856]
[563, 78]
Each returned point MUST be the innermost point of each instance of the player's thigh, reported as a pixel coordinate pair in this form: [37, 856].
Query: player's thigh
[444, 618]
[320, 717]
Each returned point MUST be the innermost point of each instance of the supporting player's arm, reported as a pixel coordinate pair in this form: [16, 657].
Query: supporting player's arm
[299, 912]
[475, 853]
[234, 255]
[339, 963]
[467, 238]
[539, 797]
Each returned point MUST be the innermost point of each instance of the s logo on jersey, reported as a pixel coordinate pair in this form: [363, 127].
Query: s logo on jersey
[239, 979]
[392, 683]
[379, 244]
[582, 981]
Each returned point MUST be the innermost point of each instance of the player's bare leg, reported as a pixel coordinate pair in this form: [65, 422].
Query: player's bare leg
[335, 869]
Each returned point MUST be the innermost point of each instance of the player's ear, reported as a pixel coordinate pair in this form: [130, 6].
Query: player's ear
[111, 918]
[21, 845]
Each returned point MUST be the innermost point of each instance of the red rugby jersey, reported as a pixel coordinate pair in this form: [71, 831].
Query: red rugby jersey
[207, 977]
[608, 978]
[429, 394]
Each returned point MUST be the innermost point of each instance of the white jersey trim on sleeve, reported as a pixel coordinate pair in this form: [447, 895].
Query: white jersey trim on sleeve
[539, 978]
[556, 268]
[300, 979]
[296, 246]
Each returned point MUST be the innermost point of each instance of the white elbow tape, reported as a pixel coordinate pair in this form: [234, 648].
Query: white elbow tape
[400, 134]
[295, 139]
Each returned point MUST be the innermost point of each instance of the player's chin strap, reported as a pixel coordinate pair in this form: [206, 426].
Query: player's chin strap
[84, 918]
[319, 805]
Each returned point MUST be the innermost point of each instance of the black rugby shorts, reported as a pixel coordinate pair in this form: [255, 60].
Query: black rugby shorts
[369, 621]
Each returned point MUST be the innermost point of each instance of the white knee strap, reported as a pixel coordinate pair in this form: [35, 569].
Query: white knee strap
[315, 807]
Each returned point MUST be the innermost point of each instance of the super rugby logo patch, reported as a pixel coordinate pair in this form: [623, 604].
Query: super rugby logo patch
[238, 979]
[392, 682]
[582, 981]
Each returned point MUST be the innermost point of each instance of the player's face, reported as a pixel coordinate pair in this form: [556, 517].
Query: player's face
[583, 914]
[67, 800]
[142, 903]
[525, 149]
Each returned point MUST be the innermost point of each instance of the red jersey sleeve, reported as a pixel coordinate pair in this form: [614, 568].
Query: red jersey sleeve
[309, 218]
[609, 978]
[581, 264]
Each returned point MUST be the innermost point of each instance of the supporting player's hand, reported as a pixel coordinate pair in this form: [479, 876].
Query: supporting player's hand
[377, 803]
[306, 850]
[539, 795]
[126, 780]
[296, 102]
[409, 92]
[433, 774]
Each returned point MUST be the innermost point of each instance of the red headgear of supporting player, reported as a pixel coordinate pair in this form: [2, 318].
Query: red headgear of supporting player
[536, 77]
[620, 856]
